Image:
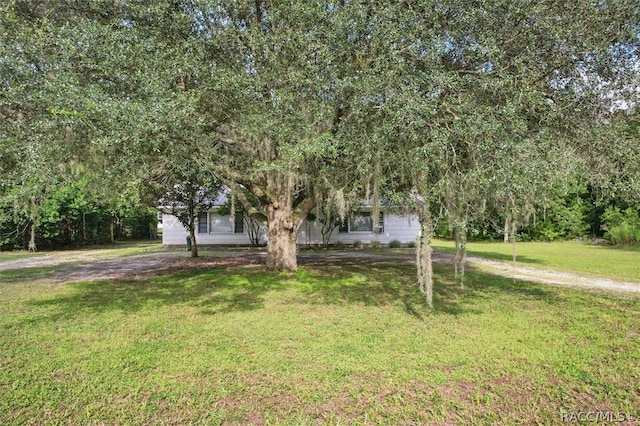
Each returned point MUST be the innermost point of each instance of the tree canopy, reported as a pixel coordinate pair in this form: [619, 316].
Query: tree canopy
[465, 101]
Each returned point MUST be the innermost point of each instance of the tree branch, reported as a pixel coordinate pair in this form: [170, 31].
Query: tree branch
[304, 208]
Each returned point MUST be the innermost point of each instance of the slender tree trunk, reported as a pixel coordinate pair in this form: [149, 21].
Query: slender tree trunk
[326, 237]
[283, 231]
[192, 235]
[423, 255]
[514, 228]
[328, 222]
[461, 252]
[111, 232]
[194, 243]
[507, 229]
[326, 231]
[32, 238]
[253, 228]
[456, 260]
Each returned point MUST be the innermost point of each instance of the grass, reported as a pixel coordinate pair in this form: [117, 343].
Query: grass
[18, 254]
[117, 249]
[622, 263]
[47, 263]
[33, 273]
[346, 343]
[133, 248]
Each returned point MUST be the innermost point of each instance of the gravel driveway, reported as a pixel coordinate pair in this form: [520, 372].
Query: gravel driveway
[87, 265]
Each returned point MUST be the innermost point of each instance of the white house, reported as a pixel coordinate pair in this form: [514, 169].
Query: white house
[216, 229]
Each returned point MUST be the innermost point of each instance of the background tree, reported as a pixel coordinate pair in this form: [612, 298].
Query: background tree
[502, 92]
[44, 111]
[244, 203]
[186, 201]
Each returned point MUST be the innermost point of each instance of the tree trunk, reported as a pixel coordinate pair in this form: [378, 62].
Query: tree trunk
[84, 228]
[514, 228]
[456, 259]
[326, 237]
[327, 220]
[194, 243]
[326, 231]
[32, 238]
[461, 252]
[423, 255]
[192, 235]
[283, 231]
[254, 229]
[507, 226]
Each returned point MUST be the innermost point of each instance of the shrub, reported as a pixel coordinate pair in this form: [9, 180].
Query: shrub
[339, 245]
[411, 244]
[546, 231]
[395, 244]
[622, 227]
[357, 244]
[623, 234]
[375, 244]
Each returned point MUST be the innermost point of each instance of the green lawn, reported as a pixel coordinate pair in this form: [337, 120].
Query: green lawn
[19, 254]
[342, 344]
[117, 249]
[621, 263]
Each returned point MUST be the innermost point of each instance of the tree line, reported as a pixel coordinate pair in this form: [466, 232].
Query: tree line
[71, 215]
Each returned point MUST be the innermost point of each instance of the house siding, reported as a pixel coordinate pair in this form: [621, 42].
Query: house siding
[175, 235]
[403, 228]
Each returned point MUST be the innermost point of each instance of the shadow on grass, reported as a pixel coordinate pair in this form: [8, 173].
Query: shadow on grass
[375, 283]
[225, 289]
[244, 288]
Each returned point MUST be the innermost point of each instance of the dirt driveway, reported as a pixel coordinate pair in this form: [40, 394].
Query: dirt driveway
[90, 265]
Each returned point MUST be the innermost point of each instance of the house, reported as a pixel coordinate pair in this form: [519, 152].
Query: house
[217, 229]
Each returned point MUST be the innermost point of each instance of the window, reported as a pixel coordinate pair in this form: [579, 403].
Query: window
[361, 222]
[238, 226]
[380, 228]
[202, 223]
[219, 224]
[222, 224]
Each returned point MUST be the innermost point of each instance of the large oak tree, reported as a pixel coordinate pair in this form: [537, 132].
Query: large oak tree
[278, 97]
